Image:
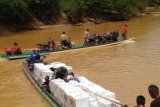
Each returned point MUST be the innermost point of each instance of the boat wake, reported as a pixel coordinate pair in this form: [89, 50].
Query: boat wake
[2, 59]
[129, 41]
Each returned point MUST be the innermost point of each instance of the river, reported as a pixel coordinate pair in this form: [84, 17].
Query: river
[126, 69]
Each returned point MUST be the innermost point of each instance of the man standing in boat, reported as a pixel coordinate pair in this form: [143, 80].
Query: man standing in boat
[124, 31]
[86, 37]
[86, 34]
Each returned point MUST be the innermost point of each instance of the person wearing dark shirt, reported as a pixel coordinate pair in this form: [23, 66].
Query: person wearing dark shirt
[46, 84]
[154, 93]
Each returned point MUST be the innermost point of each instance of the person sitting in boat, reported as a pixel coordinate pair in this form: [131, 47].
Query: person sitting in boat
[51, 44]
[108, 36]
[99, 39]
[59, 72]
[46, 84]
[92, 40]
[16, 49]
[114, 36]
[34, 58]
[70, 76]
[66, 43]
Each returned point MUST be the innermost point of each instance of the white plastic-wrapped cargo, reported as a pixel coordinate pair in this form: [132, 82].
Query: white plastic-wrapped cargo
[48, 66]
[96, 89]
[68, 95]
[73, 100]
[108, 94]
[78, 100]
[63, 96]
[38, 67]
[82, 79]
[93, 104]
[54, 86]
[82, 93]
[59, 64]
[104, 103]
[40, 70]
[93, 100]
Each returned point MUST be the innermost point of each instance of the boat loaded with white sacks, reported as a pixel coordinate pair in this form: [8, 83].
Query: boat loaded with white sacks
[73, 93]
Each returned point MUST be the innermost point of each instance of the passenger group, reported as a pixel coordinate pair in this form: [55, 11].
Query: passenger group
[65, 43]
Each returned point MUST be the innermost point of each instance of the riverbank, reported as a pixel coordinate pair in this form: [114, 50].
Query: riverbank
[37, 25]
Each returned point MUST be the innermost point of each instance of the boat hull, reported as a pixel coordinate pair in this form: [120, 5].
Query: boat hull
[53, 102]
[76, 46]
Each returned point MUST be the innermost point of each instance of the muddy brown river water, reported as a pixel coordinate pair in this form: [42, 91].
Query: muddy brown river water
[126, 69]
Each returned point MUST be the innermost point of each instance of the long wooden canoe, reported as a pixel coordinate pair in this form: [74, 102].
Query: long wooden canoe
[100, 96]
[23, 55]
[75, 46]
[51, 99]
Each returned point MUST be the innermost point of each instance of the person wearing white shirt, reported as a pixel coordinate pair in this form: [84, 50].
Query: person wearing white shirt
[86, 34]
[63, 36]
[65, 42]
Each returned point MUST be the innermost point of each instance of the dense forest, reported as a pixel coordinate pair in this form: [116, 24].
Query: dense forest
[20, 12]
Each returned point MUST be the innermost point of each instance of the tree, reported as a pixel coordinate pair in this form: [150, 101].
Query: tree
[14, 12]
[76, 12]
[45, 10]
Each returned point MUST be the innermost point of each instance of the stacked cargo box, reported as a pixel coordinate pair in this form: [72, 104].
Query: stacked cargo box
[81, 94]
[40, 71]
[73, 93]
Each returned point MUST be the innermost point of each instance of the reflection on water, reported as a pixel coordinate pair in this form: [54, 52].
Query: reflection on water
[126, 69]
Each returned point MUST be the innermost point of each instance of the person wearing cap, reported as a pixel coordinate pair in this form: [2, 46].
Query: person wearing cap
[34, 58]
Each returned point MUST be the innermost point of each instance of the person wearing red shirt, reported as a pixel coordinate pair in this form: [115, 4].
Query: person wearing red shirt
[16, 49]
[124, 31]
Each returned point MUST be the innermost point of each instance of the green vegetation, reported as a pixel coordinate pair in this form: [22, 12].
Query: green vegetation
[14, 12]
[44, 10]
[24, 11]
[155, 3]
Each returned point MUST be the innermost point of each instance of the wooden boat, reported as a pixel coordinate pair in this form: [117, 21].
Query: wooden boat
[75, 46]
[43, 92]
[93, 98]
[23, 55]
